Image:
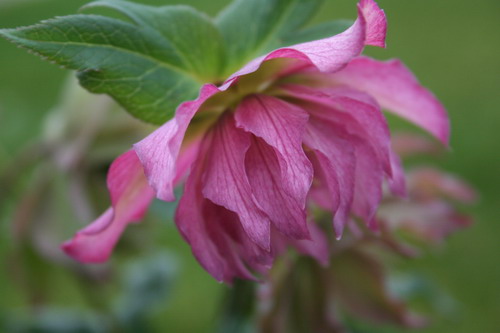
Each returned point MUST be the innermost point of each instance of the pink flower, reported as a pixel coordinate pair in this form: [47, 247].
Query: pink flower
[300, 124]
[430, 212]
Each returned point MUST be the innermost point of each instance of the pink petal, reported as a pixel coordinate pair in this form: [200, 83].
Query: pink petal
[302, 63]
[187, 156]
[410, 144]
[396, 89]
[368, 181]
[376, 23]
[325, 188]
[317, 247]
[397, 183]
[286, 212]
[333, 53]
[130, 197]
[365, 165]
[281, 125]
[214, 233]
[356, 111]
[428, 183]
[192, 224]
[226, 183]
[158, 152]
[336, 159]
[430, 221]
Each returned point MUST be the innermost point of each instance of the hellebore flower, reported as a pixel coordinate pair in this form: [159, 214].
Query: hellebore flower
[300, 124]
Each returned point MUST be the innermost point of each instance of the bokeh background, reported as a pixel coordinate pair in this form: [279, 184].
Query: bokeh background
[452, 46]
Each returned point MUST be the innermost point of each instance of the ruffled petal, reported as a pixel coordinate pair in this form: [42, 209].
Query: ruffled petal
[158, 152]
[226, 183]
[336, 159]
[215, 234]
[366, 169]
[192, 224]
[356, 111]
[397, 89]
[287, 213]
[281, 125]
[130, 197]
[369, 177]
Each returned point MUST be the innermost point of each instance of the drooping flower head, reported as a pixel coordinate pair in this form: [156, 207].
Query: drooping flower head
[299, 125]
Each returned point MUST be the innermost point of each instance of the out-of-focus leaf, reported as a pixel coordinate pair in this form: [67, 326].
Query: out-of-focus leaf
[249, 27]
[55, 320]
[238, 308]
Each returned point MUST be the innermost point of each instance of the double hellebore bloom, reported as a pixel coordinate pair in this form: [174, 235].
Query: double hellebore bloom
[301, 124]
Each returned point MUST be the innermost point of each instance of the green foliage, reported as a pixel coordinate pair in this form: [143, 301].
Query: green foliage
[193, 35]
[138, 68]
[159, 56]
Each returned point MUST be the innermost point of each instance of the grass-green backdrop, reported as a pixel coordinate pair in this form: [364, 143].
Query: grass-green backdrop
[452, 46]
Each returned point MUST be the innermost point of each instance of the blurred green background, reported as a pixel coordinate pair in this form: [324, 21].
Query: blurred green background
[454, 49]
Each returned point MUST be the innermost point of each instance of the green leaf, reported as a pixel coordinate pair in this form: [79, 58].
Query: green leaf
[193, 34]
[149, 66]
[320, 31]
[249, 28]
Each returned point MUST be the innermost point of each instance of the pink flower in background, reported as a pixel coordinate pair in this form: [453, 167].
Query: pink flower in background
[429, 214]
[301, 124]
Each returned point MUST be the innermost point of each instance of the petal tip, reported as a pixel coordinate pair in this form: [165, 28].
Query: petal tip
[376, 23]
[72, 249]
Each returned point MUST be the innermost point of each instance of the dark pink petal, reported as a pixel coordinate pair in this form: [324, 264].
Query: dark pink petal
[397, 89]
[287, 213]
[281, 125]
[254, 257]
[324, 191]
[366, 170]
[193, 223]
[336, 158]
[215, 234]
[158, 152]
[369, 177]
[226, 183]
[130, 198]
